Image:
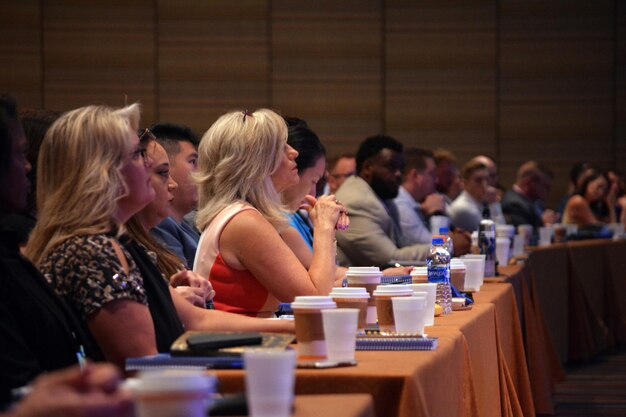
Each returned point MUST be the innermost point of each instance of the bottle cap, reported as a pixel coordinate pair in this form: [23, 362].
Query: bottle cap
[437, 241]
[443, 230]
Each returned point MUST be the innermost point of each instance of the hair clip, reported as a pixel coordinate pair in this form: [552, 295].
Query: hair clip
[246, 113]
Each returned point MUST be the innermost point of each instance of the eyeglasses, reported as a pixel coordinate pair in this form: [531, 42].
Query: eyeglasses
[146, 136]
[348, 175]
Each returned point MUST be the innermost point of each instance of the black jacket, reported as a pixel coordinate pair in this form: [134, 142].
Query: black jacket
[38, 331]
[518, 209]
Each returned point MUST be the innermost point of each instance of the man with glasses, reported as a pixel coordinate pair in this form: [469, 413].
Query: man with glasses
[340, 169]
[466, 210]
[494, 192]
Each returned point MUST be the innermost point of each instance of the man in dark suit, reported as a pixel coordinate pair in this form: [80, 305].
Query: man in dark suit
[523, 203]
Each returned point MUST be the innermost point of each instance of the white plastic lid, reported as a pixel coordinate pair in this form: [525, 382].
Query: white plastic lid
[474, 256]
[313, 301]
[393, 289]
[173, 380]
[457, 264]
[349, 292]
[505, 229]
[419, 270]
[363, 271]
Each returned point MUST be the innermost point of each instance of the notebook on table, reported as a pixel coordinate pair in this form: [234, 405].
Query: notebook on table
[373, 340]
[165, 360]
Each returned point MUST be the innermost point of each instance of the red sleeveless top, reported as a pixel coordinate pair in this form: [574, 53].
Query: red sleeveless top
[237, 290]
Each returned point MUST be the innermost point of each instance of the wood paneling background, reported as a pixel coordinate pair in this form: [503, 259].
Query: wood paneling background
[514, 79]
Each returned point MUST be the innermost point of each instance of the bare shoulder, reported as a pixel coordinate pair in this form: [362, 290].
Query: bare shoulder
[576, 201]
[246, 223]
[244, 234]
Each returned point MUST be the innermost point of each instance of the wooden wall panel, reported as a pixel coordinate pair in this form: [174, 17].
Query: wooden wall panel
[517, 79]
[556, 85]
[620, 87]
[213, 57]
[20, 51]
[440, 75]
[99, 52]
[326, 68]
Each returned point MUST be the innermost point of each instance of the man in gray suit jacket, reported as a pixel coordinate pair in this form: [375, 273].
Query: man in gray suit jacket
[374, 237]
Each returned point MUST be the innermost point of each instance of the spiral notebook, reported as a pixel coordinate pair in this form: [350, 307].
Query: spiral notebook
[399, 342]
[165, 360]
[396, 279]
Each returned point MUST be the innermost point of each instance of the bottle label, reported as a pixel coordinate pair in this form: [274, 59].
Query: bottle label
[439, 273]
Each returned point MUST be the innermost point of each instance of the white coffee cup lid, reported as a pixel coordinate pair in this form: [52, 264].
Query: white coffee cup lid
[457, 264]
[419, 270]
[313, 301]
[505, 229]
[349, 292]
[395, 289]
[363, 271]
[173, 380]
[473, 256]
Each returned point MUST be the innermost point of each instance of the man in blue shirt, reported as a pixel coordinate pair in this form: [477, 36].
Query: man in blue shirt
[417, 199]
[181, 144]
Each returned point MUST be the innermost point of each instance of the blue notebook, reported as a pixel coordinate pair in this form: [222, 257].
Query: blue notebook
[165, 360]
[373, 342]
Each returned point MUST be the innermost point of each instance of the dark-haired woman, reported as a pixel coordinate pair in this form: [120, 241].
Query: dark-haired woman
[589, 205]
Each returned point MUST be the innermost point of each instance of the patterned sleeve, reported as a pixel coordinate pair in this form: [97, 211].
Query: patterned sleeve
[86, 271]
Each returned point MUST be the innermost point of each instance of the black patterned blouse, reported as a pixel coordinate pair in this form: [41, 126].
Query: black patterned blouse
[87, 273]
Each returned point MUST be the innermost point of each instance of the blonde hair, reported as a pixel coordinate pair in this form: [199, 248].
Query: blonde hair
[237, 156]
[79, 180]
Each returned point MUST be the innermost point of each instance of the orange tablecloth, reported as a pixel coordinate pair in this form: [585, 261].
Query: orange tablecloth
[579, 286]
[478, 369]
[542, 360]
[513, 373]
[478, 327]
[402, 383]
[571, 308]
[340, 405]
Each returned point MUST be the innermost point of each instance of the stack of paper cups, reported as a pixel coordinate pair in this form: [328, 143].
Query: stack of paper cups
[368, 277]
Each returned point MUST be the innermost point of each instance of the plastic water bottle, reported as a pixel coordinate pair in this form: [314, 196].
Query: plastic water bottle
[487, 242]
[438, 262]
[447, 242]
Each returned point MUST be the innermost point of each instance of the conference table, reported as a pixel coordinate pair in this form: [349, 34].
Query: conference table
[571, 307]
[478, 368]
[503, 356]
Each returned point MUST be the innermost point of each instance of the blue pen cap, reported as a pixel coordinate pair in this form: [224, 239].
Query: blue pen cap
[443, 230]
[437, 241]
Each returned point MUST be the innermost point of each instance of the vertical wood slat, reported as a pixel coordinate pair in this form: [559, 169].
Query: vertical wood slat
[21, 51]
[620, 86]
[99, 52]
[326, 68]
[440, 74]
[213, 57]
[556, 85]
